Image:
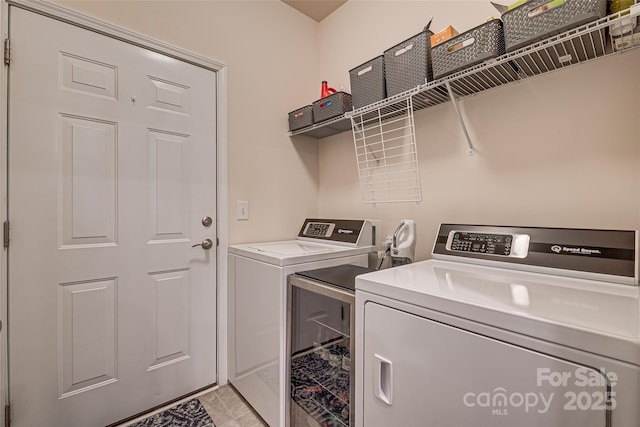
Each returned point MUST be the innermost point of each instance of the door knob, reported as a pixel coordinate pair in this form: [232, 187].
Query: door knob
[206, 244]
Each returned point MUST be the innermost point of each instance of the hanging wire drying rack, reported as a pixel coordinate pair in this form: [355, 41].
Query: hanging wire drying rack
[386, 153]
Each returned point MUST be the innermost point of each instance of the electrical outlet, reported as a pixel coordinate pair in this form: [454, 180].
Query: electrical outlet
[242, 210]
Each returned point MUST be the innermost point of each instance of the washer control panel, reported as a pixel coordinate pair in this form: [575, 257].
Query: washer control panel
[347, 232]
[508, 245]
[318, 229]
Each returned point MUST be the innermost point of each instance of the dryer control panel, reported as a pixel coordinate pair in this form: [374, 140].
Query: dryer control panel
[610, 255]
[509, 245]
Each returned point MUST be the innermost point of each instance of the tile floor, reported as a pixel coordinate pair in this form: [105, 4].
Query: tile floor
[227, 409]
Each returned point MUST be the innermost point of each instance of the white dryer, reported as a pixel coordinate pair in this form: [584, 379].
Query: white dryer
[257, 302]
[509, 326]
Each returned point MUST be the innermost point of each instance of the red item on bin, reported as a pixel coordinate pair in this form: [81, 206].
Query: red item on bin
[326, 90]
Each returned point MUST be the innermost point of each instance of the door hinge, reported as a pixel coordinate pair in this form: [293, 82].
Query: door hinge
[7, 415]
[5, 230]
[7, 52]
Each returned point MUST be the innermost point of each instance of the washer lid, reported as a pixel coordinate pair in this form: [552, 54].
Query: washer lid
[290, 248]
[595, 316]
[294, 251]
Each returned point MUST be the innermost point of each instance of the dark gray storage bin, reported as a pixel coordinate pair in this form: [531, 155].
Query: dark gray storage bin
[367, 83]
[468, 49]
[536, 20]
[408, 64]
[302, 117]
[331, 106]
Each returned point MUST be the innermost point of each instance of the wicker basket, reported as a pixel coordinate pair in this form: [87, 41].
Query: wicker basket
[302, 117]
[331, 106]
[538, 19]
[468, 49]
[367, 82]
[408, 64]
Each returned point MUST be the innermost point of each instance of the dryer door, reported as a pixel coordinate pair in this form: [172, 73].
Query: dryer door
[421, 372]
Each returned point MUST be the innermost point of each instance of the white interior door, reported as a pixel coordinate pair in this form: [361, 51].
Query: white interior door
[111, 171]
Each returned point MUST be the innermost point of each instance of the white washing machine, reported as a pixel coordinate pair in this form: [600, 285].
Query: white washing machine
[506, 326]
[257, 302]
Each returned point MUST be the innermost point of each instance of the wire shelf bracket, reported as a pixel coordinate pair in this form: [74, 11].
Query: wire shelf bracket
[454, 101]
[386, 154]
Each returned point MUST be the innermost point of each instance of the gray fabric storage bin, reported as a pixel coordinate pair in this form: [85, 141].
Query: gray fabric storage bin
[331, 106]
[367, 83]
[302, 117]
[408, 64]
[529, 22]
[485, 41]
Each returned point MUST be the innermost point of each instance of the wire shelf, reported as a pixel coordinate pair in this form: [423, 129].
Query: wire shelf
[577, 46]
[384, 132]
[323, 129]
[386, 154]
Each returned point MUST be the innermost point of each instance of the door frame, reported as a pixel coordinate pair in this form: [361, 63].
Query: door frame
[75, 18]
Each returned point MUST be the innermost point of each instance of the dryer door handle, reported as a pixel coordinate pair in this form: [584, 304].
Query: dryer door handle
[383, 379]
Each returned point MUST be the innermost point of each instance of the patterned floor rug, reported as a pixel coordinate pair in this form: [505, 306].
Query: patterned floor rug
[187, 414]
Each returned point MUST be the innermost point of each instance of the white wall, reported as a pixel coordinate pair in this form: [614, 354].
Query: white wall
[556, 150]
[271, 53]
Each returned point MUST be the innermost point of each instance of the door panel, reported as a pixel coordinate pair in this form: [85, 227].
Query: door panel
[170, 335]
[169, 160]
[89, 182]
[87, 76]
[111, 168]
[170, 97]
[87, 331]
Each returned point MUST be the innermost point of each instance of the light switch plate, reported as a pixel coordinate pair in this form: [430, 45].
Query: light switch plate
[242, 210]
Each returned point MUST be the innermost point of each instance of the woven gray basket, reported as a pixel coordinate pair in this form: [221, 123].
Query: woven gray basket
[301, 117]
[408, 64]
[468, 49]
[538, 19]
[367, 82]
[331, 106]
